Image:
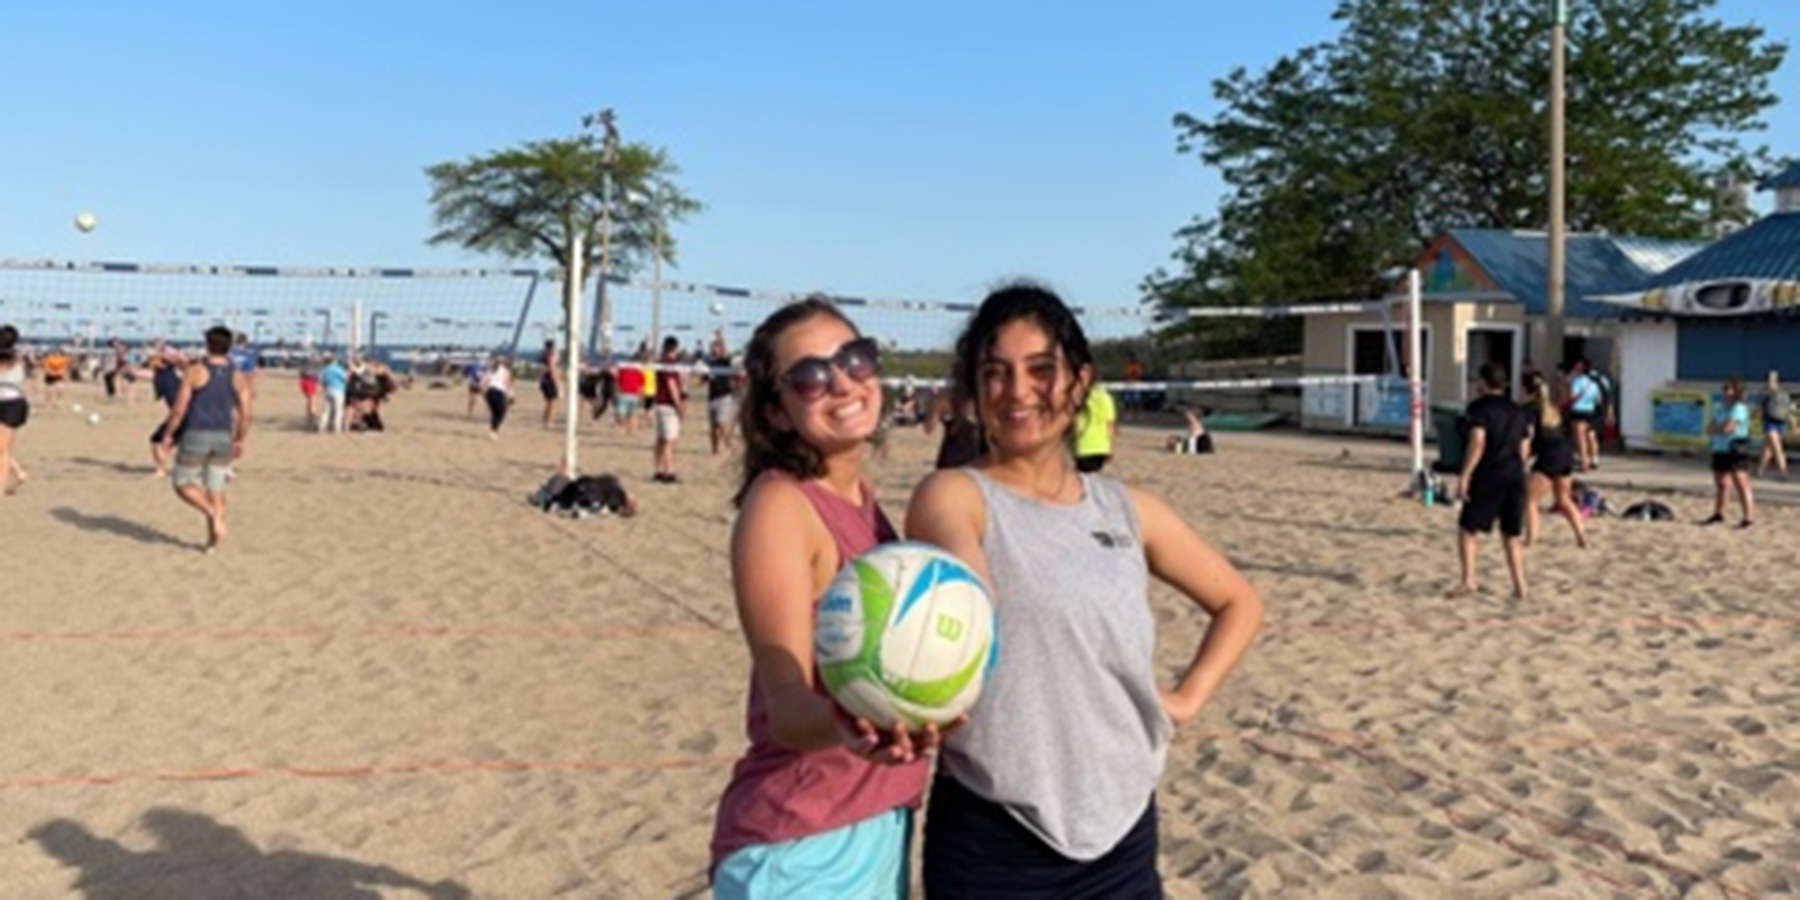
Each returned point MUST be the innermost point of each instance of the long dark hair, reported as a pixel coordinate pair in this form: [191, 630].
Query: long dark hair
[1010, 302]
[766, 446]
[9, 344]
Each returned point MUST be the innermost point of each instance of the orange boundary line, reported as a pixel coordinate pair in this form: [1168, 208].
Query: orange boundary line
[375, 631]
[369, 771]
[1565, 622]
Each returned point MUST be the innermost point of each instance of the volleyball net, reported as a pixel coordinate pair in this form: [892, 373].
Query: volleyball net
[413, 315]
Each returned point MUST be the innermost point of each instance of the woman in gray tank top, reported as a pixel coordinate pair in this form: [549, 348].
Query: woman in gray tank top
[1049, 789]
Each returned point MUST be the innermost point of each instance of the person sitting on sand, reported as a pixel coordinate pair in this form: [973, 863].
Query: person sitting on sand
[588, 495]
[1196, 440]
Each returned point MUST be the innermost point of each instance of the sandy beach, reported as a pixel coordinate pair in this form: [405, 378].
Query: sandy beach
[397, 679]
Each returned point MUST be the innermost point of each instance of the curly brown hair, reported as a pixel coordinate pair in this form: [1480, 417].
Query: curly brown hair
[766, 446]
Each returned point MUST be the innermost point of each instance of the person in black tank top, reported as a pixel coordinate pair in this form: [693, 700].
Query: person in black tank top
[1552, 462]
[206, 427]
[550, 383]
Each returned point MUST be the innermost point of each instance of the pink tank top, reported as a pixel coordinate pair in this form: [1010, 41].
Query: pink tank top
[778, 794]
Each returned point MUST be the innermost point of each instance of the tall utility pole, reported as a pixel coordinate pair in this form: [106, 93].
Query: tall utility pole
[1553, 311]
[600, 335]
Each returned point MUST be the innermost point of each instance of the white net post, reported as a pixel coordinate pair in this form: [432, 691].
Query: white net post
[572, 280]
[352, 351]
[1414, 380]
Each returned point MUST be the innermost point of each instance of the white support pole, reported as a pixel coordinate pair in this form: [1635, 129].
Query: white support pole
[572, 280]
[1415, 367]
[355, 347]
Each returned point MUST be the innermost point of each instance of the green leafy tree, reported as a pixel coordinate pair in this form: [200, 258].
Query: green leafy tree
[529, 202]
[1342, 159]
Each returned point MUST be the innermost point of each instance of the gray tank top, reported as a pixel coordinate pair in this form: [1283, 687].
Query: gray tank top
[1069, 734]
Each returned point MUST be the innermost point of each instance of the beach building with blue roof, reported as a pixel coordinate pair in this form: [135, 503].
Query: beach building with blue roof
[1732, 309]
[1485, 294]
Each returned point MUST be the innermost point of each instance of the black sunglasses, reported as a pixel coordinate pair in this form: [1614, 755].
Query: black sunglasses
[810, 378]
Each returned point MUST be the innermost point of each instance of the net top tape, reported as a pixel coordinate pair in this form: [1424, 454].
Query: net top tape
[1161, 316]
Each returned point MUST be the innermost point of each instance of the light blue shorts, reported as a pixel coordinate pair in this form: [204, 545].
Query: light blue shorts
[861, 861]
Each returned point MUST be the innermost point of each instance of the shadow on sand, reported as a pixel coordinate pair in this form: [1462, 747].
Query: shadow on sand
[197, 858]
[113, 464]
[125, 528]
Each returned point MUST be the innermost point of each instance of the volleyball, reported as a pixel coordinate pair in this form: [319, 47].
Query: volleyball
[76, 407]
[905, 634]
[93, 418]
[85, 222]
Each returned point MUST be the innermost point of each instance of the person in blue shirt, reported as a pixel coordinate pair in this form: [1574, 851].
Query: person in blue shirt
[334, 380]
[1586, 415]
[1730, 439]
[473, 375]
[243, 359]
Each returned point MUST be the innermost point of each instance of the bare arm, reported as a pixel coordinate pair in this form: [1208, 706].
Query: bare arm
[241, 386]
[1471, 456]
[779, 551]
[1179, 557]
[947, 509]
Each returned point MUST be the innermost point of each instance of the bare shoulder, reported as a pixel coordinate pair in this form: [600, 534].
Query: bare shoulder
[947, 488]
[775, 511]
[1155, 516]
[948, 501]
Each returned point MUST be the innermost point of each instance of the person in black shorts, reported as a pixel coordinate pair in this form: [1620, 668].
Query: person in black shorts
[1492, 487]
[1552, 461]
[550, 383]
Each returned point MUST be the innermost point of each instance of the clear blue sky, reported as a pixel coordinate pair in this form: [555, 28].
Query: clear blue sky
[918, 150]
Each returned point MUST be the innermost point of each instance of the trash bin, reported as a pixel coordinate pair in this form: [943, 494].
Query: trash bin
[1452, 438]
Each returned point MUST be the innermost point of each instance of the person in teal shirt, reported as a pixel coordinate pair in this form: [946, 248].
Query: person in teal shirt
[1096, 427]
[1730, 439]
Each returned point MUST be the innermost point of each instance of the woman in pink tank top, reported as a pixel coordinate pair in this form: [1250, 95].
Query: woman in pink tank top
[819, 804]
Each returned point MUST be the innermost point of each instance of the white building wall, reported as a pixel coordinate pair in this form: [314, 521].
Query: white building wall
[1646, 363]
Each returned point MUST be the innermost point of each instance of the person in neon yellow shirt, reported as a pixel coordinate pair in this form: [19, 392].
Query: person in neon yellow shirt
[1095, 430]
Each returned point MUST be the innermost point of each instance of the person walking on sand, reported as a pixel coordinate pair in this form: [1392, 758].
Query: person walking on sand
[334, 383]
[474, 374]
[820, 804]
[1552, 462]
[670, 408]
[496, 389]
[15, 409]
[1777, 409]
[1730, 440]
[1049, 789]
[550, 383]
[721, 395]
[1493, 486]
[168, 368]
[207, 428]
[1586, 415]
